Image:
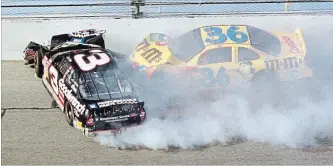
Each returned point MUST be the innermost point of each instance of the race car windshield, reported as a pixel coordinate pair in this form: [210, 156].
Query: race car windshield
[105, 82]
[264, 41]
[187, 45]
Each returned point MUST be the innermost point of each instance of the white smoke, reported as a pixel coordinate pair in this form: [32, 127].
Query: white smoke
[302, 116]
[220, 121]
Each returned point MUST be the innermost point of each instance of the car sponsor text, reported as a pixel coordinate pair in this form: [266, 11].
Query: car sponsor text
[79, 108]
[115, 102]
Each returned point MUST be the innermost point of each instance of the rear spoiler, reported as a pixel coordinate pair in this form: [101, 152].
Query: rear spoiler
[138, 105]
[301, 39]
[108, 110]
[35, 47]
[32, 45]
[112, 105]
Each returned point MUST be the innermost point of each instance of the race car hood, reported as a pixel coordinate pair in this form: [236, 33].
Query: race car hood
[292, 43]
[153, 54]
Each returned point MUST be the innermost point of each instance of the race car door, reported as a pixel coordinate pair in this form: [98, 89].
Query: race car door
[217, 66]
[249, 61]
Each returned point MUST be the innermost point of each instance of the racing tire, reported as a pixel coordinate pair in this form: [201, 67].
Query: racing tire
[265, 87]
[29, 62]
[38, 64]
[69, 113]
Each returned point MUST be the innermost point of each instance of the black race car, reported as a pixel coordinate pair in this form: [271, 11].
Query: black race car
[88, 36]
[88, 86]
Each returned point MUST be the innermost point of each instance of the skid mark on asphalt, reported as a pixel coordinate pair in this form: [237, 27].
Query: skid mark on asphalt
[3, 113]
[27, 108]
[318, 149]
[323, 146]
[31, 109]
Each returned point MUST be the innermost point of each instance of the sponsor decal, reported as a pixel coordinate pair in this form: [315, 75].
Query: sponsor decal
[149, 54]
[115, 118]
[80, 109]
[291, 44]
[77, 40]
[285, 63]
[115, 102]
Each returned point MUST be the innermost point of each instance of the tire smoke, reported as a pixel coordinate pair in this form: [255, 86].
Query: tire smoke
[300, 115]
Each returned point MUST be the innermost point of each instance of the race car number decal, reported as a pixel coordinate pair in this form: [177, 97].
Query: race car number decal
[54, 79]
[208, 79]
[217, 36]
[96, 58]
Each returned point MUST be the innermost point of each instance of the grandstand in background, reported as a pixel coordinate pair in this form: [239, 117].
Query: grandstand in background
[159, 8]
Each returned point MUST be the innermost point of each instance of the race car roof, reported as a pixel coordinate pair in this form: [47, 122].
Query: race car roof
[69, 47]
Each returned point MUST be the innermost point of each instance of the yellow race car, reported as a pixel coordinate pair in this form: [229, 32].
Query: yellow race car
[226, 56]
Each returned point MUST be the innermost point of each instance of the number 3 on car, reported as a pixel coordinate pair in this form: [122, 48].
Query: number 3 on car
[89, 62]
[54, 79]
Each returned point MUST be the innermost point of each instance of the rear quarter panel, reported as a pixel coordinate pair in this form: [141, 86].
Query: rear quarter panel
[290, 64]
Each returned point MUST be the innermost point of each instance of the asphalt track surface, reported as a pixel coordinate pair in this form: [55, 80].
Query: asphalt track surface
[33, 133]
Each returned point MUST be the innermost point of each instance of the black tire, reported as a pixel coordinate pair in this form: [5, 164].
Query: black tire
[38, 64]
[265, 87]
[31, 61]
[69, 113]
[264, 77]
